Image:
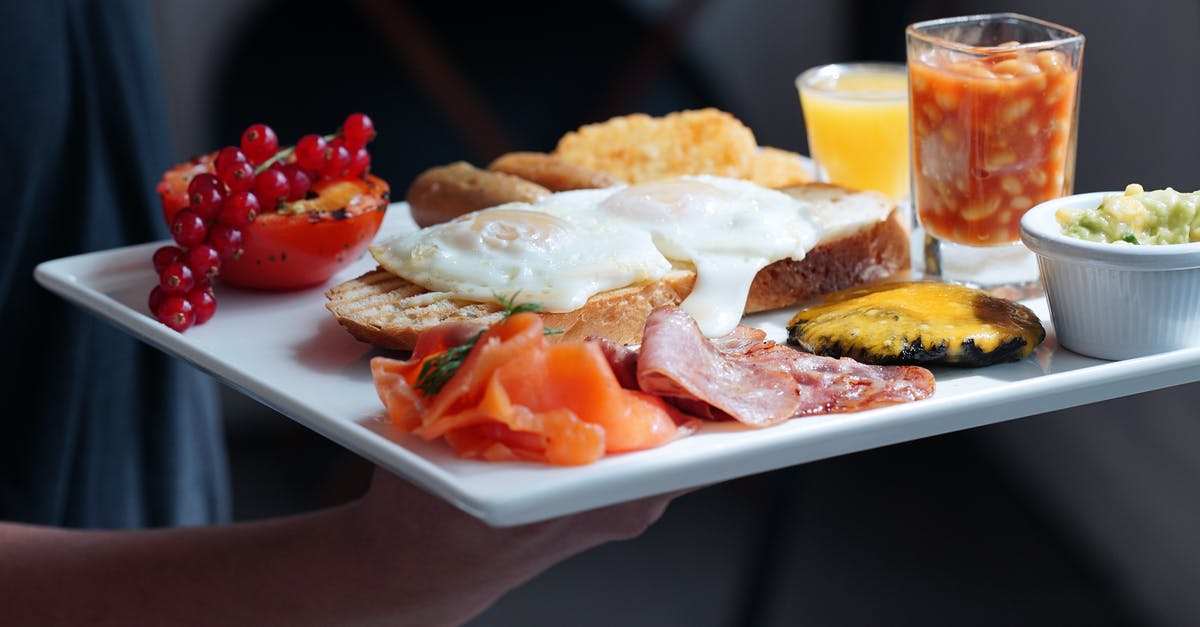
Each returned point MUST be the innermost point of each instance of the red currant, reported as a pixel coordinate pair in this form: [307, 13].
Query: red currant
[176, 312]
[335, 160]
[188, 228]
[203, 260]
[205, 195]
[157, 295]
[240, 209]
[228, 156]
[298, 182]
[204, 304]
[259, 143]
[358, 131]
[360, 161]
[310, 151]
[238, 177]
[270, 186]
[227, 240]
[166, 255]
[176, 278]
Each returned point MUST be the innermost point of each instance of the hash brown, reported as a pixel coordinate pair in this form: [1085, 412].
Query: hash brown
[639, 148]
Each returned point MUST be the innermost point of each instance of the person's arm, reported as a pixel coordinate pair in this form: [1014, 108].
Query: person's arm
[396, 556]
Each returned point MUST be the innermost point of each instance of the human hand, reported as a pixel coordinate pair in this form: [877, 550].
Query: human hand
[453, 566]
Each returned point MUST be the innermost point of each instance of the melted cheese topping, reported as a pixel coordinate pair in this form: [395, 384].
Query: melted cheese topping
[887, 319]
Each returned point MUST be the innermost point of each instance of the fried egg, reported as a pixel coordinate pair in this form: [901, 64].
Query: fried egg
[726, 229]
[569, 246]
[512, 251]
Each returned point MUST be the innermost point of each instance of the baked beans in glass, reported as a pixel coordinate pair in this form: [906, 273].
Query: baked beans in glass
[993, 134]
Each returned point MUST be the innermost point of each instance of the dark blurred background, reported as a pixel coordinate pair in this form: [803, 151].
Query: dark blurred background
[1081, 517]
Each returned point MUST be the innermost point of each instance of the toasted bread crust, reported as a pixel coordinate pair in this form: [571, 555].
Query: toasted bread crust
[383, 309]
[868, 255]
[390, 312]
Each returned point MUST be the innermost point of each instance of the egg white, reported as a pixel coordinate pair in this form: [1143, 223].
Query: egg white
[569, 246]
[726, 229]
[512, 251]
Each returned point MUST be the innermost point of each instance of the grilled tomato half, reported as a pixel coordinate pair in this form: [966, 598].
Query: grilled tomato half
[300, 243]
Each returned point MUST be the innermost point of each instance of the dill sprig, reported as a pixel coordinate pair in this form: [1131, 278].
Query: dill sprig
[439, 369]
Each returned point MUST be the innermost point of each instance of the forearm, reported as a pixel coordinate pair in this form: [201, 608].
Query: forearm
[304, 569]
[397, 556]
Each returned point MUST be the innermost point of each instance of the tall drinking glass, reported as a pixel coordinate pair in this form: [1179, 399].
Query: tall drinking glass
[994, 101]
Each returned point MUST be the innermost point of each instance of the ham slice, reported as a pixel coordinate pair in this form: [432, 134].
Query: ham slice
[742, 340]
[757, 382]
[833, 386]
[676, 361]
[621, 358]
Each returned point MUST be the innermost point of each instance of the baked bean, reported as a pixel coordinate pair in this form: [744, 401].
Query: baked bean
[1015, 67]
[1051, 60]
[998, 144]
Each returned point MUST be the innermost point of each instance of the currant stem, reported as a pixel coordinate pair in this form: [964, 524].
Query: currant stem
[285, 153]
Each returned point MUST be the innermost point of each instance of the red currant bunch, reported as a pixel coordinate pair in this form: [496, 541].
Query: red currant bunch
[222, 204]
[207, 232]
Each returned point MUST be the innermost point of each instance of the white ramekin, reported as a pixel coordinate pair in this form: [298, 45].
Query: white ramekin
[1114, 301]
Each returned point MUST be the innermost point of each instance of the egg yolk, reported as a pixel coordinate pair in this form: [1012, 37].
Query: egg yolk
[502, 229]
[669, 201]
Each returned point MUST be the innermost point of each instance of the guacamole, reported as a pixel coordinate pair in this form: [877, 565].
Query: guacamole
[1162, 216]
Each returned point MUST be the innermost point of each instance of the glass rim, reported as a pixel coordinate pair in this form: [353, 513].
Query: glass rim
[1066, 34]
[804, 79]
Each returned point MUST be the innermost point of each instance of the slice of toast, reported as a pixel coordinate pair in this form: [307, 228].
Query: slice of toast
[865, 238]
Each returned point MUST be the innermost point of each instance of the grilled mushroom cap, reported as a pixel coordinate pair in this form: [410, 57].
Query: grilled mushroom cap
[918, 322]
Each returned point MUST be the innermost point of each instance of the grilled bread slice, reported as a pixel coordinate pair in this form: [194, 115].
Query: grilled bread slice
[865, 238]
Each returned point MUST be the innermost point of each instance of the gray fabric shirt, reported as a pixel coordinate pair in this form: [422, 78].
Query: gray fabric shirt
[97, 430]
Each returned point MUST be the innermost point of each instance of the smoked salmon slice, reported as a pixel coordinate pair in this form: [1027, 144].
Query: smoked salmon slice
[518, 397]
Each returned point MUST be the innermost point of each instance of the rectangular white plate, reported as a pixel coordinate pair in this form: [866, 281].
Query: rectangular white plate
[288, 352]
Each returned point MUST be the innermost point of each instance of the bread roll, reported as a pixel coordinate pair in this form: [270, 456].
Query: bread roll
[443, 193]
[551, 172]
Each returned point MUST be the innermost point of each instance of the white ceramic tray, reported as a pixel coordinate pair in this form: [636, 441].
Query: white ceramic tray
[288, 352]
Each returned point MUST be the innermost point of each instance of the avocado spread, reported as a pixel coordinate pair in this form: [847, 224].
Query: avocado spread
[1162, 216]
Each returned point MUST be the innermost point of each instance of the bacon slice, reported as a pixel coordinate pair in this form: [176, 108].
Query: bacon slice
[678, 362]
[624, 359]
[833, 386]
[761, 383]
[742, 340]
[621, 358]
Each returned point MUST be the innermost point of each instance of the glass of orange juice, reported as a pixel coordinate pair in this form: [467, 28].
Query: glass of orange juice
[856, 116]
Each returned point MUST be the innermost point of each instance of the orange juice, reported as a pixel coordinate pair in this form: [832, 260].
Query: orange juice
[856, 115]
